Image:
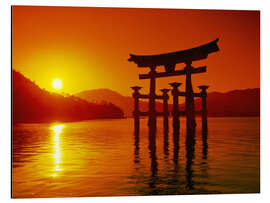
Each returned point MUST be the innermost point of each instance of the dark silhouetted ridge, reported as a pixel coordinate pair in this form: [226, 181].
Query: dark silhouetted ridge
[229, 104]
[33, 104]
[233, 103]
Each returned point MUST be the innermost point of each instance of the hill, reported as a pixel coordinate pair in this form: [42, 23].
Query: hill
[126, 103]
[233, 103]
[33, 104]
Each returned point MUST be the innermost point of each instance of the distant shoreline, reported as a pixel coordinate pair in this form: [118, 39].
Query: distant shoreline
[68, 121]
[199, 116]
[104, 119]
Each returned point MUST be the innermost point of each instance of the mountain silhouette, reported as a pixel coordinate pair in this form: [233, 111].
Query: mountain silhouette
[233, 103]
[33, 104]
[126, 103]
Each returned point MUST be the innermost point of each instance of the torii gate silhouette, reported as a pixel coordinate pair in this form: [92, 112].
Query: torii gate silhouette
[169, 61]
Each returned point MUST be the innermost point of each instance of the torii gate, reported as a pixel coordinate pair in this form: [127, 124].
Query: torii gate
[169, 60]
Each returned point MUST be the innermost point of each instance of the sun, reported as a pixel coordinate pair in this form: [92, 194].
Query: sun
[57, 84]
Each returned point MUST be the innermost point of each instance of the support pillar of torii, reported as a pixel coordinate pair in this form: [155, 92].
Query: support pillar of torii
[204, 106]
[169, 61]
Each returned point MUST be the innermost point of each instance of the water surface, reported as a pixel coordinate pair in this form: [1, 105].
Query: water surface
[106, 158]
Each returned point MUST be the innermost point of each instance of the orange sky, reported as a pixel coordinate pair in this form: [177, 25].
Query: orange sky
[88, 48]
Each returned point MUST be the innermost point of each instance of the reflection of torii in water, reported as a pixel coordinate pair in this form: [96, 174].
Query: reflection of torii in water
[169, 60]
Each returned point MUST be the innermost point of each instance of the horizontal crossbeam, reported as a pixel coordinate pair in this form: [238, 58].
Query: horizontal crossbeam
[180, 113]
[194, 54]
[197, 95]
[183, 113]
[181, 94]
[174, 73]
[146, 96]
[148, 114]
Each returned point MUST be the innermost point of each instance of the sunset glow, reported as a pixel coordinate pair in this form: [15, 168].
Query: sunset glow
[134, 101]
[57, 84]
[89, 53]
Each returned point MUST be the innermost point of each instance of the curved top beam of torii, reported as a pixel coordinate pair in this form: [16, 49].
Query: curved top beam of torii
[194, 54]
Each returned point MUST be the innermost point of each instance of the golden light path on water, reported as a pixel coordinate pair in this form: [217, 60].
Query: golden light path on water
[106, 158]
[57, 130]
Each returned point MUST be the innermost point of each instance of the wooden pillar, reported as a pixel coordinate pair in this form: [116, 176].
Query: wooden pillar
[165, 122]
[165, 108]
[136, 112]
[190, 108]
[175, 110]
[152, 94]
[176, 122]
[204, 106]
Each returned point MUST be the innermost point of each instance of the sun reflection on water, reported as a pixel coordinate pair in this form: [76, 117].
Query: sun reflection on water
[57, 130]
